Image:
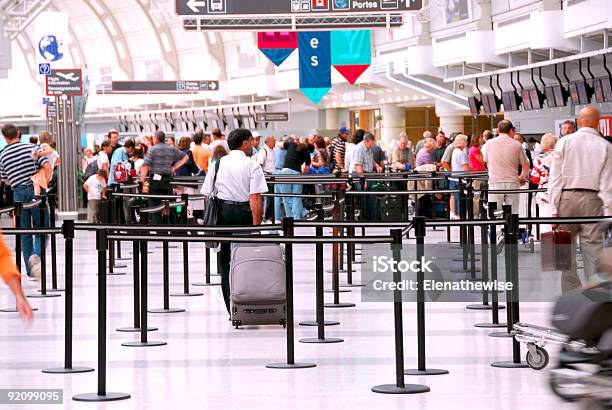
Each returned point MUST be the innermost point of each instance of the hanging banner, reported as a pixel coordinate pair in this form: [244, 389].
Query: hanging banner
[51, 39]
[351, 53]
[277, 46]
[315, 64]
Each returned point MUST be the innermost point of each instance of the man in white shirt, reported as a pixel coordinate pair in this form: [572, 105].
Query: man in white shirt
[103, 157]
[503, 157]
[238, 187]
[580, 184]
[266, 159]
[218, 140]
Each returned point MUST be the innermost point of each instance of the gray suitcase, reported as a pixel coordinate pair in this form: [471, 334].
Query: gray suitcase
[257, 284]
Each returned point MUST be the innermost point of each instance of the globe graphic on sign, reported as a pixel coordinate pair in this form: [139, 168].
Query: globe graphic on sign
[51, 48]
[341, 4]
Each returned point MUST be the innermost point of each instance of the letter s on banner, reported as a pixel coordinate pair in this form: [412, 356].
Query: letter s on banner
[315, 64]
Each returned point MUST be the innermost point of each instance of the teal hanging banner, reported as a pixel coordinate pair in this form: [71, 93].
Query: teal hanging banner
[315, 64]
[351, 52]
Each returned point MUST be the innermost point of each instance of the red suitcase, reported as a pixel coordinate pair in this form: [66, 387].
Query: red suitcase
[556, 250]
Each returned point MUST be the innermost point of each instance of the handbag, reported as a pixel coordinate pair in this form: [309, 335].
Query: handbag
[211, 207]
[556, 250]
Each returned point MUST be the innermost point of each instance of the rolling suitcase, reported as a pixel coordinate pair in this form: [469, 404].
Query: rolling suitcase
[392, 209]
[257, 285]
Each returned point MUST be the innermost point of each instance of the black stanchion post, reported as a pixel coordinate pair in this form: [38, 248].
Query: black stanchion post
[400, 387]
[447, 197]
[166, 266]
[421, 370]
[101, 394]
[42, 211]
[136, 270]
[512, 295]
[335, 265]
[184, 218]
[52, 206]
[144, 326]
[68, 232]
[492, 206]
[288, 229]
[350, 247]
[320, 322]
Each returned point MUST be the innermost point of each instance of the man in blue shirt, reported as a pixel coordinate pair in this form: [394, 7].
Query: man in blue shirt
[280, 153]
[121, 155]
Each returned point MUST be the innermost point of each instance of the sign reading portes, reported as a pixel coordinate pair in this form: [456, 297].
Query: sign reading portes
[267, 7]
[65, 82]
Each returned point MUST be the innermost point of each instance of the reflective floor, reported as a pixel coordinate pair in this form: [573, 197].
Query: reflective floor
[208, 364]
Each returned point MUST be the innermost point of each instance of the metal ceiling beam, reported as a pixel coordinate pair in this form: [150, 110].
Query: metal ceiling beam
[75, 40]
[171, 56]
[20, 14]
[125, 62]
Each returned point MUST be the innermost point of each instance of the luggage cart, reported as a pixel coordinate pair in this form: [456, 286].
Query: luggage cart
[536, 338]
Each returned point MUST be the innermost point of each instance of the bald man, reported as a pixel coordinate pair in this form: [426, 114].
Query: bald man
[580, 184]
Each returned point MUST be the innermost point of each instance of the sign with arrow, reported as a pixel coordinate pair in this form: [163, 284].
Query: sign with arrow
[64, 82]
[190, 8]
[164, 87]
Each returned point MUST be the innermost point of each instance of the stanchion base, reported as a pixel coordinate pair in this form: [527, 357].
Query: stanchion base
[205, 284]
[62, 370]
[92, 397]
[315, 323]
[13, 310]
[48, 295]
[483, 307]
[427, 372]
[339, 305]
[135, 329]
[464, 271]
[326, 340]
[461, 260]
[352, 285]
[491, 325]
[407, 389]
[509, 365]
[341, 271]
[144, 344]
[172, 310]
[119, 266]
[290, 366]
[500, 334]
[186, 294]
[339, 291]
[124, 259]
[54, 290]
[114, 273]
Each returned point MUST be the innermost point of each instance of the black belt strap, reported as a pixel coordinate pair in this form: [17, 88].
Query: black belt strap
[223, 201]
[580, 190]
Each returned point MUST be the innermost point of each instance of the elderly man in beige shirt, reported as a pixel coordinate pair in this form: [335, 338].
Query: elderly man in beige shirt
[503, 157]
[580, 184]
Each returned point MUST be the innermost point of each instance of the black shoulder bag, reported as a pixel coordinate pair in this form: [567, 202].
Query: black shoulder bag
[211, 208]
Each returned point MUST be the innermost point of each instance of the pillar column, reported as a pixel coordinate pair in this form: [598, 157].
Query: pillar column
[393, 123]
[331, 119]
[451, 117]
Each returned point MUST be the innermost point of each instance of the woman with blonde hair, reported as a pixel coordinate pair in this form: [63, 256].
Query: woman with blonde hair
[539, 176]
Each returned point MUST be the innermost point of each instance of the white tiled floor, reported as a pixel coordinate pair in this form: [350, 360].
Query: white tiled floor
[209, 365]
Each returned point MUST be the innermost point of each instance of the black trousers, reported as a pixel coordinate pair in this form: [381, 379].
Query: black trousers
[161, 187]
[230, 215]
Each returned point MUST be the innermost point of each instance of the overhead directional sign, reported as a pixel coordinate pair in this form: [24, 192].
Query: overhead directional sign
[272, 116]
[64, 82]
[189, 8]
[164, 86]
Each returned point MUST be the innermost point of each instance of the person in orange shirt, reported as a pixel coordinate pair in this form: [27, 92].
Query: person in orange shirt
[11, 276]
[201, 152]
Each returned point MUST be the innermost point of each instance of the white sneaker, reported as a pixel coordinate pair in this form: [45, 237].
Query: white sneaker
[454, 217]
[35, 266]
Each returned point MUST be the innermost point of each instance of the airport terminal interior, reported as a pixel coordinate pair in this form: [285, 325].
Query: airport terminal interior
[306, 204]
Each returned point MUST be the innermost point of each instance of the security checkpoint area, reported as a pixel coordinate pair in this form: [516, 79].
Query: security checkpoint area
[305, 203]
